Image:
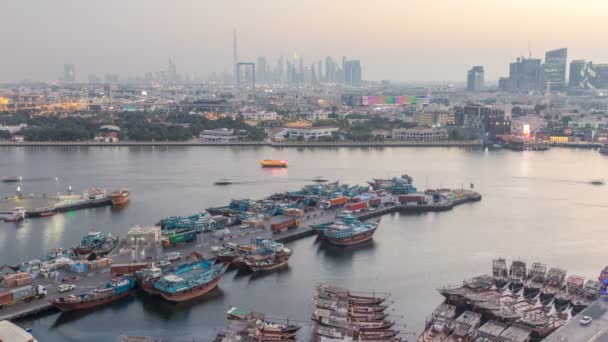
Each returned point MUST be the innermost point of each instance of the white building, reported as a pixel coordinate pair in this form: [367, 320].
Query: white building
[309, 132]
[13, 129]
[420, 134]
[220, 134]
[317, 115]
[143, 236]
[260, 116]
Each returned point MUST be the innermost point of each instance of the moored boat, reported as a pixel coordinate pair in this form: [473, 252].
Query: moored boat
[115, 290]
[345, 235]
[573, 288]
[536, 280]
[11, 179]
[500, 272]
[91, 241]
[554, 283]
[262, 263]
[120, 197]
[591, 292]
[274, 163]
[191, 281]
[517, 274]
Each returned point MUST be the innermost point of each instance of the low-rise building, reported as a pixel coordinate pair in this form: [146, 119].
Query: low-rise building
[260, 116]
[386, 134]
[420, 134]
[144, 236]
[308, 132]
[220, 134]
[317, 115]
[435, 119]
[12, 129]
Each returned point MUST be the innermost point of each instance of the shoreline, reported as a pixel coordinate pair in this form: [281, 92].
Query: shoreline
[477, 143]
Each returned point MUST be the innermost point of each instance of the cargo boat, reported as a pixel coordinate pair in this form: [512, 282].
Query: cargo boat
[536, 280]
[115, 290]
[264, 263]
[95, 244]
[120, 197]
[554, 283]
[591, 292]
[274, 163]
[573, 288]
[11, 179]
[437, 327]
[341, 234]
[517, 274]
[147, 277]
[500, 272]
[191, 281]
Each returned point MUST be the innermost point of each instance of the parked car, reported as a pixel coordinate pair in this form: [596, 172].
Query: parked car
[163, 263]
[65, 288]
[586, 320]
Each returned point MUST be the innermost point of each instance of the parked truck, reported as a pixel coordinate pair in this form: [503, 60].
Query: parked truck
[334, 202]
[172, 240]
[24, 293]
[411, 199]
[281, 226]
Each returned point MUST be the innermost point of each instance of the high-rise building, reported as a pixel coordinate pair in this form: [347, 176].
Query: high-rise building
[494, 120]
[526, 74]
[475, 78]
[582, 75]
[330, 70]
[554, 69]
[352, 72]
[320, 70]
[601, 76]
[261, 70]
[69, 73]
[171, 72]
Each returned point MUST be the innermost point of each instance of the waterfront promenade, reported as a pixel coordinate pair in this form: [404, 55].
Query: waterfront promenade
[475, 143]
[87, 281]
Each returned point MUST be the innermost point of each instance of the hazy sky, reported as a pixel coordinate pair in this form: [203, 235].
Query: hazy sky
[401, 40]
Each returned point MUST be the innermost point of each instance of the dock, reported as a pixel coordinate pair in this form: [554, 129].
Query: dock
[90, 280]
[596, 331]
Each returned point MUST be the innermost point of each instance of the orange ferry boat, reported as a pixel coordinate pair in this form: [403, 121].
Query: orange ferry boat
[273, 163]
[120, 197]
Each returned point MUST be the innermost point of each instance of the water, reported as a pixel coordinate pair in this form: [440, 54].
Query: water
[536, 206]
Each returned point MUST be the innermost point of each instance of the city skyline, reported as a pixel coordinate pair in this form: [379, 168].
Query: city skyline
[197, 36]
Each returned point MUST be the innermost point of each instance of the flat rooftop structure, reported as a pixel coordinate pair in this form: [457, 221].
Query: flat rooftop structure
[490, 331]
[465, 324]
[517, 333]
[596, 331]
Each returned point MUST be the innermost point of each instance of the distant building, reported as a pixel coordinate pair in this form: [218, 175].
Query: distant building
[260, 116]
[220, 134]
[582, 75]
[352, 72]
[386, 134]
[309, 132]
[495, 120]
[12, 129]
[526, 75]
[435, 118]
[475, 78]
[108, 133]
[144, 236]
[69, 73]
[601, 76]
[317, 115]
[554, 69]
[420, 134]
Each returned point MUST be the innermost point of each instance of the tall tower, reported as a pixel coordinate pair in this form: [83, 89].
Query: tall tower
[235, 58]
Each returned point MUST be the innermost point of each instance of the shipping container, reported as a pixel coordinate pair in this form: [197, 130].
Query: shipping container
[122, 269]
[358, 206]
[374, 202]
[280, 226]
[24, 293]
[403, 199]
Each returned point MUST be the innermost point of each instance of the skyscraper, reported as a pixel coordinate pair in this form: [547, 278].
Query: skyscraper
[582, 75]
[261, 69]
[330, 70]
[235, 58]
[319, 71]
[69, 73]
[601, 76]
[475, 78]
[526, 74]
[352, 71]
[554, 69]
[171, 72]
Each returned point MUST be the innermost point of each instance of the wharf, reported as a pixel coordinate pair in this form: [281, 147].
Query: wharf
[596, 331]
[206, 240]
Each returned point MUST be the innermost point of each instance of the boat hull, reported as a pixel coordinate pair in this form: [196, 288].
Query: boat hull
[89, 304]
[352, 240]
[268, 267]
[120, 198]
[192, 293]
